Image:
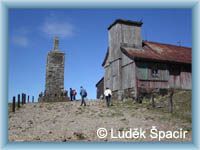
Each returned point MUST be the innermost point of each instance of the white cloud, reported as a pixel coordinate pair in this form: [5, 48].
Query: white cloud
[20, 40]
[20, 36]
[57, 28]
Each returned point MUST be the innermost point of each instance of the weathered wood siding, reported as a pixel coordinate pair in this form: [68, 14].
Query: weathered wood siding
[180, 76]
[127, 76]
[115, 73]
[126, 60]
[128, 73]
[146, 81]
[100, 89]
[176, 76]
[186, 80]
[115, 38]
[131, 35]
[107, 77]
[147, 84]
[121, 33]
[137, 40]
[144, 71]
[119, 69]
[174, 81]
[127, 34]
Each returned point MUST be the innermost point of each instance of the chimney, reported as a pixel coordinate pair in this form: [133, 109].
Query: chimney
[126, 33]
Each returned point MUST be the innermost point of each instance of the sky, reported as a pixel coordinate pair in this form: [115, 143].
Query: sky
[83, 37]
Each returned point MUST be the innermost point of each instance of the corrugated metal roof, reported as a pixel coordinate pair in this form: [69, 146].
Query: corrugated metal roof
[160, 52]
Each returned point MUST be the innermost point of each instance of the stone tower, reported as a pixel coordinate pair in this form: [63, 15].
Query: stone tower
[54, 85]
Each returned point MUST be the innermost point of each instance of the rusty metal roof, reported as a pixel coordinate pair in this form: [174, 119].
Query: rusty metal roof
[160, 52]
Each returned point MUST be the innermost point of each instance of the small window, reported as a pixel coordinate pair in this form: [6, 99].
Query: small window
[154, 72]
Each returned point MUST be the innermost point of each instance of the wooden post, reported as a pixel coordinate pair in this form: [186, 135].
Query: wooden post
[13, 104]
[18, 101]
[152, 100]
[170, 101]
[24, 98]
[28, 98]
[32, 99]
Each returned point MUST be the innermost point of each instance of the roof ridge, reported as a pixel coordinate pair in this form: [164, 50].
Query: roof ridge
[123, 21]
[164, 44]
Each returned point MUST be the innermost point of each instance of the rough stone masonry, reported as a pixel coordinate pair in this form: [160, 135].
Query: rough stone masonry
[54, 86]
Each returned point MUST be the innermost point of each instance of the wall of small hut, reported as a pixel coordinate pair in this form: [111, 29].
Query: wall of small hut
[100, 88]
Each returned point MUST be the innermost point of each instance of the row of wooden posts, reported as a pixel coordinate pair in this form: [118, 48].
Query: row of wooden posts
[24, 99]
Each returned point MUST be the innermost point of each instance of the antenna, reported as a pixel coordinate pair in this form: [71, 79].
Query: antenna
[145, 35]
[183, 42]
[179, 42]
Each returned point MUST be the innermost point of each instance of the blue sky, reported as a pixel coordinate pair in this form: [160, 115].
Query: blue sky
[84, 39]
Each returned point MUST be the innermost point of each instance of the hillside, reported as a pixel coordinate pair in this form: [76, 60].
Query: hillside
[67, 121]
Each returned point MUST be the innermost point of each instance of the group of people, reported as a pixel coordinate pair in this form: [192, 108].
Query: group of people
[72, 94]
[83, 94]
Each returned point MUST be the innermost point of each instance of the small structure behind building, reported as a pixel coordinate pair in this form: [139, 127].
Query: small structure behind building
[100, 88]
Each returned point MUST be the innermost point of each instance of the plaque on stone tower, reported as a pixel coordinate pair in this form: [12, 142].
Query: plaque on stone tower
[54, 81]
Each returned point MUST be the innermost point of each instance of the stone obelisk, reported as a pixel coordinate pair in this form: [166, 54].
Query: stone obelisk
[54, 86]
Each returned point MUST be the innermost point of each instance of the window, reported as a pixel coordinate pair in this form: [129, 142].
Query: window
[155, 72]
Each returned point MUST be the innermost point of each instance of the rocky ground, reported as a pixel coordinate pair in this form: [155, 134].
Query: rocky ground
[68, 121]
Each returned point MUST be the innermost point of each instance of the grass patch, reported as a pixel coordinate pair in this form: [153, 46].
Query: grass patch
[182, 101]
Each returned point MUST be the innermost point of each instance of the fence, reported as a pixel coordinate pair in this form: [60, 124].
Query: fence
[22, 99]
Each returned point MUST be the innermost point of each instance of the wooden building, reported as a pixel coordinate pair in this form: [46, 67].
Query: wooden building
[133, 66]
[100, 88]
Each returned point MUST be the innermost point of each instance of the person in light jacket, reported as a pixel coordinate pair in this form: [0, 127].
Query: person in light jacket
[108, 95]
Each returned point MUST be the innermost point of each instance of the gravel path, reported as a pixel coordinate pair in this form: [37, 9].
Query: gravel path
[68, 121]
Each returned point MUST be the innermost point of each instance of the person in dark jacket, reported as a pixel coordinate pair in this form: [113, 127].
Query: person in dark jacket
[71, 94]
[83, 94]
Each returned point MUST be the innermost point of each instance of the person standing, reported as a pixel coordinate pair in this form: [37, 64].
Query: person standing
[83, 94]
[74, 94]
[71, 94]
[108, 95]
